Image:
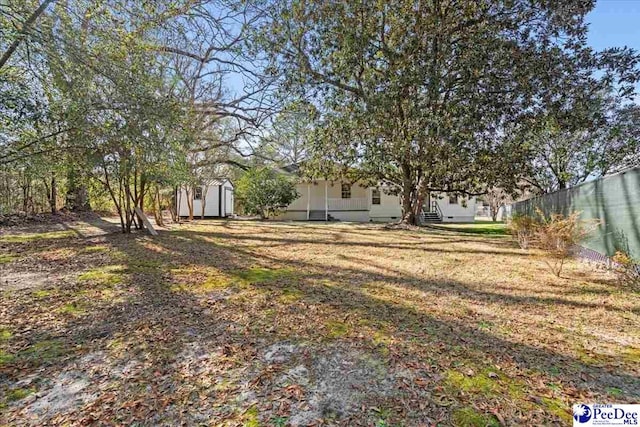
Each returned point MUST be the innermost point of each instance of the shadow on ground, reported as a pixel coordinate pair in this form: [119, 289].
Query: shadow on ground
[285, 324]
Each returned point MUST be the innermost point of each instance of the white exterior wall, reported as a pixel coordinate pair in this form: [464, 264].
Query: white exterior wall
[351, 216]
[292, 216]
[456, 212]
[312, 196]
[299, 204]
[212, 200]
[228, 199]
[389, 209]
[297, 210]
[359, 195]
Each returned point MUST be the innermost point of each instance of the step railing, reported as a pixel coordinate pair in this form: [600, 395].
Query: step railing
[435, 207]
[434, 214]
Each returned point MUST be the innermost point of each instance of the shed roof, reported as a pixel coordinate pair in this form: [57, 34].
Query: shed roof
[219, 181]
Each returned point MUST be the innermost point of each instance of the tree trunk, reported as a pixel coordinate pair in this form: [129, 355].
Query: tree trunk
[139, 201]
[53, 197]
[408, 199]
[189, 202]
[25, 198]
[77, 198]
[408, 212]
[177, 195]
[203, 201]
[157, 210]
[129, 214]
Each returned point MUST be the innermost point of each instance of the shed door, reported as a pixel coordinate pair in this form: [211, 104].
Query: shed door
[228, 201]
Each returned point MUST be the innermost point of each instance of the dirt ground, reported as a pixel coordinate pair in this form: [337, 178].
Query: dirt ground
[243, 323]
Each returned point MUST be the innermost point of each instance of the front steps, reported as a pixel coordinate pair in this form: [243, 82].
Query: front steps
[430, 217]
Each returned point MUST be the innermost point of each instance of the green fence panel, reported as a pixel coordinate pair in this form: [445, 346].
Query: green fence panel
[614, 200]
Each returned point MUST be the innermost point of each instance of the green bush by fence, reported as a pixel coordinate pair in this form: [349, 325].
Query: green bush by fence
[614, 200]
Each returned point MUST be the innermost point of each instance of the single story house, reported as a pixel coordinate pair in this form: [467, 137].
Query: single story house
[216, 196]
[325, 200]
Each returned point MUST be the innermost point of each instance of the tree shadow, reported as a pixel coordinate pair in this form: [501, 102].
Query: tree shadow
[157, 323]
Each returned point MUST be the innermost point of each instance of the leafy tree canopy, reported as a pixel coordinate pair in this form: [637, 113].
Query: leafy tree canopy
[263, 191]
[427, 95]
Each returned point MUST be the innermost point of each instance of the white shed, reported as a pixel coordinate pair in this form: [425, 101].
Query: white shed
[216, 196]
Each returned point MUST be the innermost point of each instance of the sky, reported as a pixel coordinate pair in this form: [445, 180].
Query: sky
[615, 23]
[612, 23]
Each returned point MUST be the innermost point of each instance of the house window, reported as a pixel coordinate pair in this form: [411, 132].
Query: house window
[375, 196]
[346, 191]
[453, 199]
[197, 193]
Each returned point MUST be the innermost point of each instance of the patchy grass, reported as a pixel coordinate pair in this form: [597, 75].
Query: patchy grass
[469, 417]
[614, 391]
[472, 382]
[6, 358]
[337, 329]
[5, 334]
[42, 293]
[251, 418]
[216, 282]
[291, 295]
[7, 258]
[144, 266]
[478, 227]
[44, 351]
[257, 275]
[266, 323]
[94, 249]
[558, 408]
[104, 276]
[74, 309]
[19, 393]
[25, 238]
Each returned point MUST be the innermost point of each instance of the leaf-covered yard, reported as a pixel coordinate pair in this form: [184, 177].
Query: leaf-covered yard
[256, 323]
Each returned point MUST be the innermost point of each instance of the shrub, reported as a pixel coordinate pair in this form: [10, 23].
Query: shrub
[523, 228]
[627, 269]
[559, 234]
[264, 192]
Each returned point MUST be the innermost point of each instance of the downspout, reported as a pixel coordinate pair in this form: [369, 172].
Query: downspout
[220, 200]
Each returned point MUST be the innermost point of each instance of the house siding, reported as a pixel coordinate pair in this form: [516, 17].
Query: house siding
[389, 209]
[456, 212]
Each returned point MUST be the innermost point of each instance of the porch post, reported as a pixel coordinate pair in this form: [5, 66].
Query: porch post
[308, 200]
[326, 202]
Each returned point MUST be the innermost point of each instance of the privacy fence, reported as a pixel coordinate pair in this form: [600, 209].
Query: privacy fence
[614, 200]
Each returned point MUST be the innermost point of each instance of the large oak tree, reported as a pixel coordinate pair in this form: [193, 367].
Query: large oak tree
[425, 95]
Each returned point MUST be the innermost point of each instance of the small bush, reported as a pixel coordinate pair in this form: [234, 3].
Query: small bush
[627, 269]
[559, 234]
[264, 192]
[523, 228]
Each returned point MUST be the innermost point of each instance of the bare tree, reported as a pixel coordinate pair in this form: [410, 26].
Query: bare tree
[497, 198]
